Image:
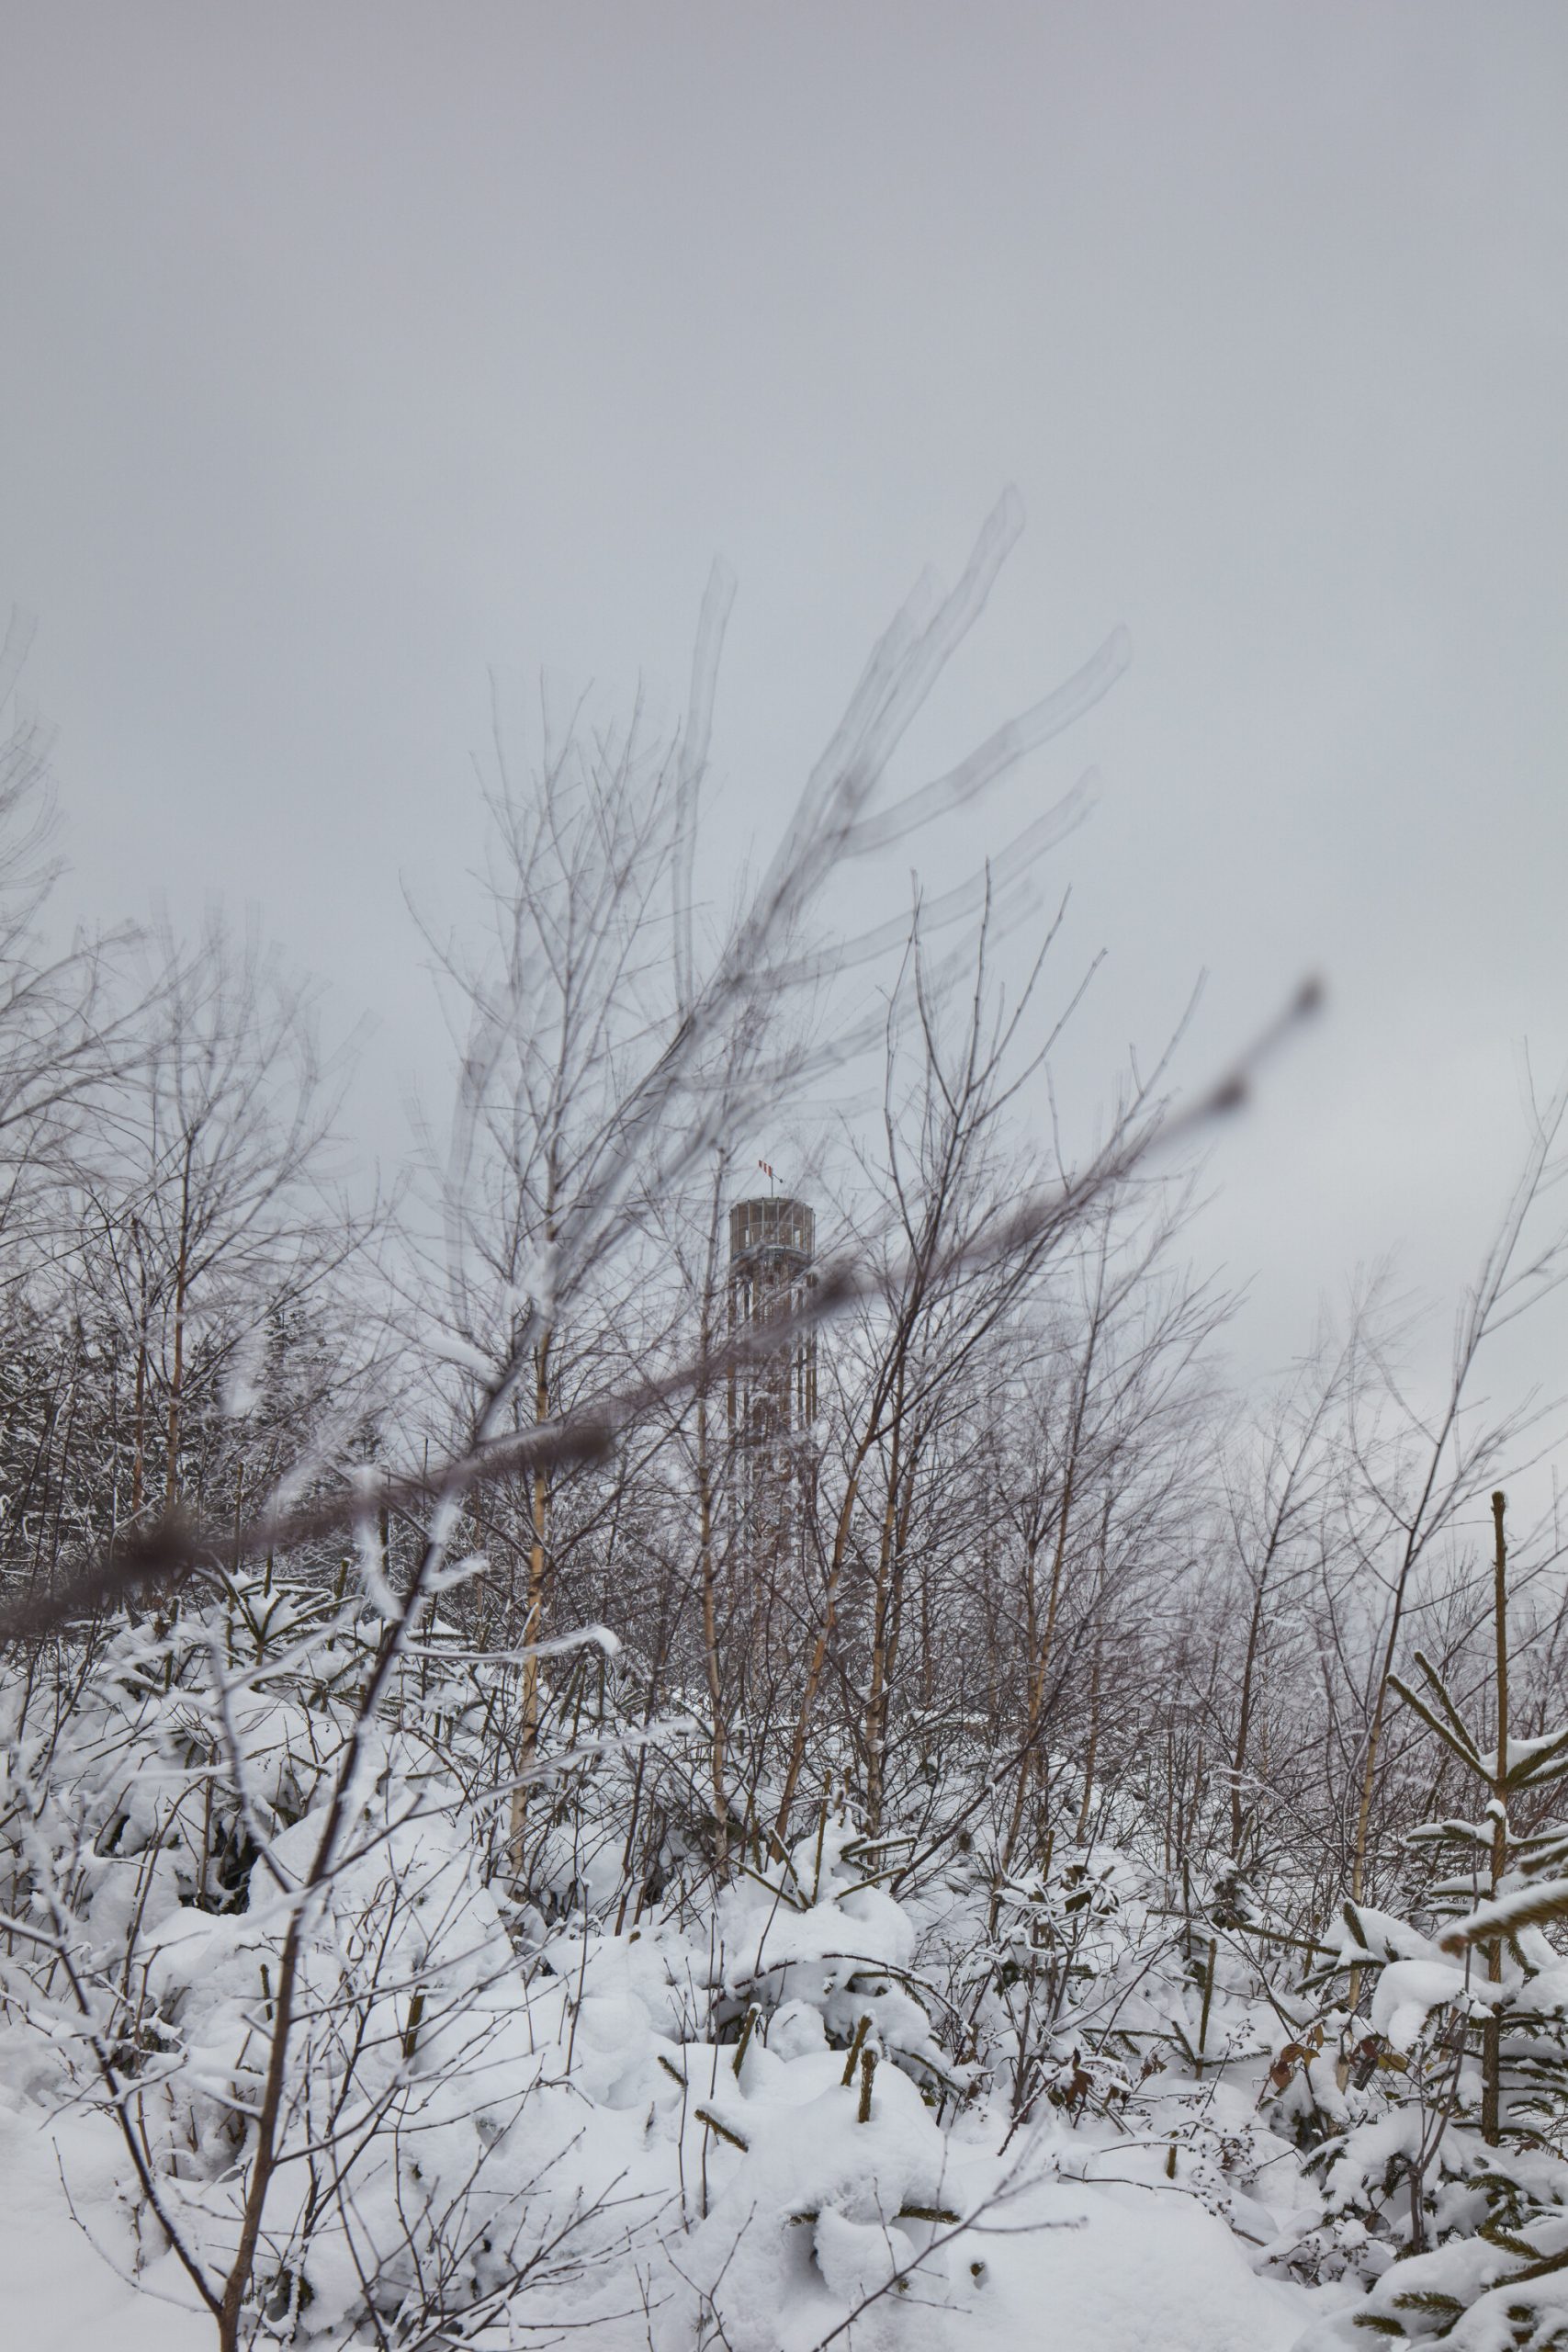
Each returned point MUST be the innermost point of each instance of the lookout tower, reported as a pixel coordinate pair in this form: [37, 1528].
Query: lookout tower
[773, 1392]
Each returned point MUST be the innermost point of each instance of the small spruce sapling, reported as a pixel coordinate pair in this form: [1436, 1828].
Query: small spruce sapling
[1472, 2123]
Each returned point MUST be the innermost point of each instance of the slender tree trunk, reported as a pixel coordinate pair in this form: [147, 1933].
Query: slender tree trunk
[534, 1617]
[710, 1633]
[1091, 1746]
[875, 1704]
[1244, 1722]
[822, 1644]
[176, 1384]
[139, 1427]
[1029, 1763]
[1492, 2031]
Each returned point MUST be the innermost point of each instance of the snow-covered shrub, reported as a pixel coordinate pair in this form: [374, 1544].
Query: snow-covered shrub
[796, 2069]
[200, 1961]
[1460, 2164]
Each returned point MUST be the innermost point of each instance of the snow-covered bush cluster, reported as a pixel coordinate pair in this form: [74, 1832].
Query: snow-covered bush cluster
[771, 2107]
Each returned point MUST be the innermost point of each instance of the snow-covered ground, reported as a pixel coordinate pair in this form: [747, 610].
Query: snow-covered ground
[1100, 2268]
[59, 2291]
[1147, 2269]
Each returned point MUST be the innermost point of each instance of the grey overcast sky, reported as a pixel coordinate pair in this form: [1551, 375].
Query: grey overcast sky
[354, 351]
